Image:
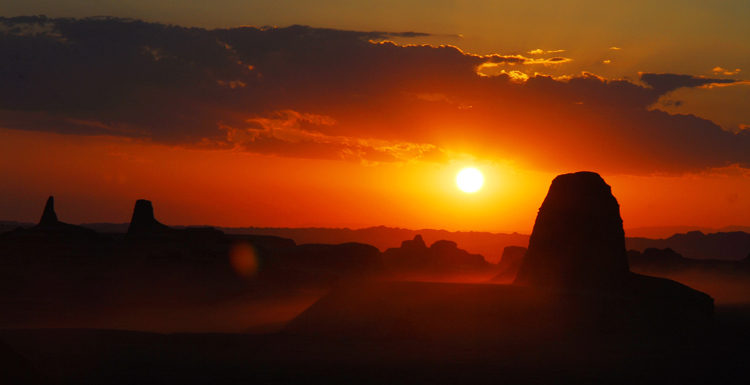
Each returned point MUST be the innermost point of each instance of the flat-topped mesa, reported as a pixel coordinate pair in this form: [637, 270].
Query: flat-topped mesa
[578, 240]
[48, 216]
[143, 220]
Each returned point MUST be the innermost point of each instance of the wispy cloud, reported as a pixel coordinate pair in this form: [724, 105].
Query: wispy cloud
[543, 52]
[719, 70]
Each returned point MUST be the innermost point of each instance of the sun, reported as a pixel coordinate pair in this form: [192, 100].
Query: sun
[469, 180]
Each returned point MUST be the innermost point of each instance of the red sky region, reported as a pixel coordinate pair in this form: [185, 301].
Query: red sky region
[312, 127]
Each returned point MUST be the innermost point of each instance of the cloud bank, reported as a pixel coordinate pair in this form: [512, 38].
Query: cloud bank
[329, 94]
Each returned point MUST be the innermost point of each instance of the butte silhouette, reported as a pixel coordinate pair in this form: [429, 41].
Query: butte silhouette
[578, 242]
[144, 226]
[143, 220]
[50, 228]
[574, 280]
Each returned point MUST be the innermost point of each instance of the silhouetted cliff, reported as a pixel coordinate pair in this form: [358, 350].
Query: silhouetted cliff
[578, 243]
[578, 240]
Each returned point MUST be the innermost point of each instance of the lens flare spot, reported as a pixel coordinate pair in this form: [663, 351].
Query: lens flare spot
[244, 259]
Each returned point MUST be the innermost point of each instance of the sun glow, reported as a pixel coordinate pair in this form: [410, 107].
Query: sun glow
[469, 180]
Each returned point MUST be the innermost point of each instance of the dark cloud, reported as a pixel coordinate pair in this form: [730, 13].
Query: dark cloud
[405, 34]
[664, 83]
[329, 94]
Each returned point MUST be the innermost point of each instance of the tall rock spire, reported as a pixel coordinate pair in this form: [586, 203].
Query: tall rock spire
[48, 216]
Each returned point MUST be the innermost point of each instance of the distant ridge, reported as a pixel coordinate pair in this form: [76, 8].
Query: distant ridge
[697, 245]
[490, 245]
[663, 232]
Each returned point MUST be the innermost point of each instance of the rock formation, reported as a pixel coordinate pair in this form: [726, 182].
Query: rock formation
[144, 226]
[578, 240]
[510, 264]
[574, 285]
[441, 255]
[512, 254]
[143, 220]
[50, 228]
[658, 256]
[49, 217]
[696, 245]
[448, 253]
[417, 244]
[412, 255]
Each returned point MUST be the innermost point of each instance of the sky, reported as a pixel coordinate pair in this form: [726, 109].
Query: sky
[358, 114]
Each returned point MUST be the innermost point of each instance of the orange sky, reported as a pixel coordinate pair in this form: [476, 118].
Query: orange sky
[100, 179]
[308, 127]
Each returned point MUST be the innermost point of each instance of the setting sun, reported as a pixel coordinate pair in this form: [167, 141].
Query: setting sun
[469, 180]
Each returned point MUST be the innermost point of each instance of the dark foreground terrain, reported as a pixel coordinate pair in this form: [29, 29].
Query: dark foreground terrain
[197, 306]
[294, 355]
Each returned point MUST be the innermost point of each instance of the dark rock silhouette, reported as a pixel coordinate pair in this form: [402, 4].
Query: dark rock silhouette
[653, 255]
[143, 220]
[416, 244]
[441, 255]
[448, 253]
[513, 253]
[412, 255]
[510, 264]
[49, 217]
[733, 245]
[578, 243]
[509, 273]
[268, 242]
[489, 245]
[50, 228]
[143, 225]
[574, 281]
[578, 240]
[658, 262]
